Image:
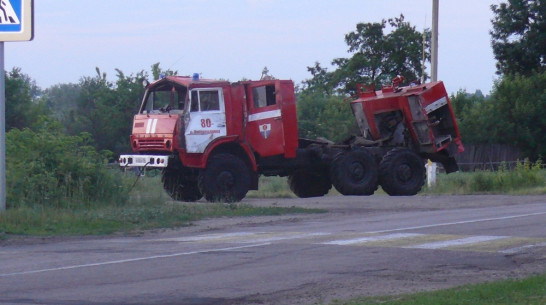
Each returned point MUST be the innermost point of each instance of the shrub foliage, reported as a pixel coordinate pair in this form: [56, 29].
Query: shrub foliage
[50, 168]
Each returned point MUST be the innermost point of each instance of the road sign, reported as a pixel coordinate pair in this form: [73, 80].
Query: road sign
[16, 20]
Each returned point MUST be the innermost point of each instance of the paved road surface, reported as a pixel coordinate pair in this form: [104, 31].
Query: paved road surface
[363, 246]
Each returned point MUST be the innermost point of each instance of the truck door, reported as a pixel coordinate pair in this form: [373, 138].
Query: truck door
[264, 129]
[205, 120]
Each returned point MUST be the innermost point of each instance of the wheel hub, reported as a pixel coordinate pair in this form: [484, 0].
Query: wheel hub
[225, 180]
[357, 171]
[403, 172]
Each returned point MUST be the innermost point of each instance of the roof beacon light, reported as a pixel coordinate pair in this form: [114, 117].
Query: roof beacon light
[195, 76]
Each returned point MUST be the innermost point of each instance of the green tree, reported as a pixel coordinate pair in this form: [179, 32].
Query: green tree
[324, 116]
[61, 100]
[157, 71]
[99, 107]
[477, 117]
[514, 114]
[520, 113]
[320, 82]
[22, 104]
[129, 92]
[518, 36]
[376, 57]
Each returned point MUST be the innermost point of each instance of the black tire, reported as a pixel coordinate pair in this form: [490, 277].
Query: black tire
[402, 172]
[179, 188]
[307, 184]
[226, 179]
[354, 172]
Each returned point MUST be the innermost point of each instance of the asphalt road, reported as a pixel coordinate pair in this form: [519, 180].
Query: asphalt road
[363, 246]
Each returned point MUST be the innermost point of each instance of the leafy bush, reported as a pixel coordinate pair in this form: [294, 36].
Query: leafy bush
[525, 174]
[47, 167]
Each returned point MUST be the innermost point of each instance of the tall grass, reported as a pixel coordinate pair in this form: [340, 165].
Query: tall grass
[272, 187]
[145, 206]
[526, 178]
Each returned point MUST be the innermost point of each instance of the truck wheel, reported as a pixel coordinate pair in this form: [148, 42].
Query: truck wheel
[226, 179]
[354, 173]
[309, 183]
[179, 188]
[401, 172]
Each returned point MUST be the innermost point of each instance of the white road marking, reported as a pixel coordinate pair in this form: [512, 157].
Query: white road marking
[519, 249]
[414, 240]
[245, 237]
[207, 237]
[458, 223]
[456, 242]
[122, 261]
[366, 239]
[277, 238]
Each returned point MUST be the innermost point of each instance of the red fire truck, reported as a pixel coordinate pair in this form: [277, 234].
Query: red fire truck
[215, 139]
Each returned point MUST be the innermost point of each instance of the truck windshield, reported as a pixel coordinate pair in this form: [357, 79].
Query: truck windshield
[166, 98]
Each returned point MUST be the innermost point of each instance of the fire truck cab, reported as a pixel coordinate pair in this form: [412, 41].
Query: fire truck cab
[183, 122]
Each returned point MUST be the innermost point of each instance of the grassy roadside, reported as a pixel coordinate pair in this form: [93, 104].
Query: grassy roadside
[525, 179]
[148, 207]
[528, 291]
[108, 220]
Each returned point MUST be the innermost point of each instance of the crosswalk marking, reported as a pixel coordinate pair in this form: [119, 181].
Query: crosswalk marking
[368, 239]
[524, 247]
[420, 241]
[246, 237]
[209, 237]
[456, 242]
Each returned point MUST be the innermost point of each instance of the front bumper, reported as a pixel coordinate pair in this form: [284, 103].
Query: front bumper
[158, 161]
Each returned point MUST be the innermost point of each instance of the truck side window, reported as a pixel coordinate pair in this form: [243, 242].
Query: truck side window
[181, 99]
[209, 100]
[263, 96]
[194, 101]
[149, 102]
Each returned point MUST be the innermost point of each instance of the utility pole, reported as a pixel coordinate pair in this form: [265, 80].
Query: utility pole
[434, 42]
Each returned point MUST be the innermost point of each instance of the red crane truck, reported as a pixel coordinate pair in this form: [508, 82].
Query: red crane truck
[215, 139]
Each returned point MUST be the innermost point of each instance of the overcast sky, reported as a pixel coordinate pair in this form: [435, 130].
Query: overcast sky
[237, 38]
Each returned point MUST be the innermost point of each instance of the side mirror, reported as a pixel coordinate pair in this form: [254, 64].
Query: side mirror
[145, 83]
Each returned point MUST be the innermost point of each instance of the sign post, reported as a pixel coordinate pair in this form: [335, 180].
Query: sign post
[16, 24]
[2, 130]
